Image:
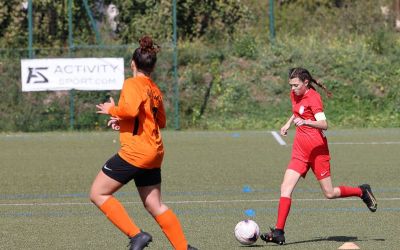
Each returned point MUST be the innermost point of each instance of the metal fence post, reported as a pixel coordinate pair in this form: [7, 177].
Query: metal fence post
[271, 21]
[176, 83]
[30, 30]
[70, 48]
[93, 22]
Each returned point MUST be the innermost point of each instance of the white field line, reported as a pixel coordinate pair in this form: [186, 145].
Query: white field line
[185, 202]
[361, 143]
[281, 142]
[278, 138]
[366, 143]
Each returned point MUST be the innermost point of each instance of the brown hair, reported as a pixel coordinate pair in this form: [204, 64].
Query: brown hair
[303, 75]
[145, 57]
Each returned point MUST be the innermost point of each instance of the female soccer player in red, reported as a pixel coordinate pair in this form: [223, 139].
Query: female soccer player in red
[139, 117]
[310, 150]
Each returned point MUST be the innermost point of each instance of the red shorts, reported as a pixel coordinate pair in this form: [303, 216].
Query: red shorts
[320, 167]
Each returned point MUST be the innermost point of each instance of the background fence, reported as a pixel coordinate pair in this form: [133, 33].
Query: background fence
[54, 110]
[230, 74]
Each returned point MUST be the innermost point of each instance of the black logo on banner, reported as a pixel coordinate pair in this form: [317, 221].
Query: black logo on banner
[36, 76]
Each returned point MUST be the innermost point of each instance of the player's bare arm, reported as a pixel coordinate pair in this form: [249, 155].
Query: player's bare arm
[286, 127]
[104, 108]
[322, 124]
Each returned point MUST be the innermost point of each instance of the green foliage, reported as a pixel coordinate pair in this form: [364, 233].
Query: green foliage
[381, 42]
[230, 76]
[136, 17]
[245, 46]
[327, 18]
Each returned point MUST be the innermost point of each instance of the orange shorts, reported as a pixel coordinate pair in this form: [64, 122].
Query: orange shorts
[320, 167]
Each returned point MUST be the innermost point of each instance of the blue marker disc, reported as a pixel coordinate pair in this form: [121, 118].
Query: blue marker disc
[246, 189]
[250, 212]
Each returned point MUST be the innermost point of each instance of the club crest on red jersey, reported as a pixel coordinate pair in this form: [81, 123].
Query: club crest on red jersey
[301, 110]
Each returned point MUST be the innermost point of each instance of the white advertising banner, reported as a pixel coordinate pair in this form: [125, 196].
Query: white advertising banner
[72, 73]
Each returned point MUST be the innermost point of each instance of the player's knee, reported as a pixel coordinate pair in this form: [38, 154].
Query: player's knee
[96, 198]
[151, 208]
[286, 191]
[155, 208]
[92, 196]
[329, 195]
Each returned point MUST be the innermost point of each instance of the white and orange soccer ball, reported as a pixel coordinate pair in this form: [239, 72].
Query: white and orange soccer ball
[247, 232]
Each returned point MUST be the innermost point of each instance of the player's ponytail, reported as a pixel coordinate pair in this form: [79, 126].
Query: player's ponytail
[322, 86]
[145, 57]
[303, 75]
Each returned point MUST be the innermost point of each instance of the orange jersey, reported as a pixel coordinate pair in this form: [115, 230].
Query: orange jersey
[142, 114]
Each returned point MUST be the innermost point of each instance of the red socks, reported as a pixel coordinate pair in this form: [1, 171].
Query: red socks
[285, 203]
[350, 191]
[283, 212]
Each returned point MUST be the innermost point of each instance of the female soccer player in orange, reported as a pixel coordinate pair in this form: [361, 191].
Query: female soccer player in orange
[310, 150]
[139, 117]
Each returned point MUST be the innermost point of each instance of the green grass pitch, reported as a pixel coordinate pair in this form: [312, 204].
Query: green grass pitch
[45, 180]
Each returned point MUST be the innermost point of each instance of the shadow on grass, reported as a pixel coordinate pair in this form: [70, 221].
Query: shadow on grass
[332, 238]
[318, 239]
[256, 245]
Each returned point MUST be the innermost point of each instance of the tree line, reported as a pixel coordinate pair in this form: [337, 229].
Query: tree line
[132, 19]
[231, 74]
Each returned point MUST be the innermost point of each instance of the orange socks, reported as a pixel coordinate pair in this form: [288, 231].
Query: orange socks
[117, 214]
[171, 227]
[168, 222]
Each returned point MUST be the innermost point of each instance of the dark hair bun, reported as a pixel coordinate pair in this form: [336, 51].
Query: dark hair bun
[147, 45]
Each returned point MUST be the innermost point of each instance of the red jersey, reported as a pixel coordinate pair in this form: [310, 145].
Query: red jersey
[141, 110]
[308, 142]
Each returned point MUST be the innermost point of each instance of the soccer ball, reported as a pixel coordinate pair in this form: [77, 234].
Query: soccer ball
[247, 232]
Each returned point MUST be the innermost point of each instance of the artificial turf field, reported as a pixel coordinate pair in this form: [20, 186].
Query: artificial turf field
[210, 179]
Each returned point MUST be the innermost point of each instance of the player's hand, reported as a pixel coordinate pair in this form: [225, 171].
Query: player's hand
[104, 108]
[114, 123]
[284, 129]
[298, 121]
[301, 122]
